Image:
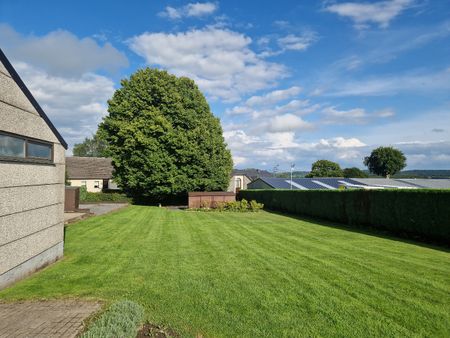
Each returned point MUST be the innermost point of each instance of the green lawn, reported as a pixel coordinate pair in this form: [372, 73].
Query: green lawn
[251, 274]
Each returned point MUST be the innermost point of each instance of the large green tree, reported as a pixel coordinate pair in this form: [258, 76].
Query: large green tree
[91, 147]
[385, 161]
[325, 168]
[163, 138]
[354, 173]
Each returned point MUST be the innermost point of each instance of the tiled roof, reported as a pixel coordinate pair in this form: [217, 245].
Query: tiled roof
[89, 167]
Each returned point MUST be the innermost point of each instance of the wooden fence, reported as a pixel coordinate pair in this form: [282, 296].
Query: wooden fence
[207, 199]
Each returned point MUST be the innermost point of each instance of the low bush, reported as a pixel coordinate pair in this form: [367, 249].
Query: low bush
[419, 213]
[237, 206]
[104, 197]
[122, 319]
[83, 193]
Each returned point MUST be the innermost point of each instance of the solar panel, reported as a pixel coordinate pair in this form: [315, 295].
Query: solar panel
[319, 183]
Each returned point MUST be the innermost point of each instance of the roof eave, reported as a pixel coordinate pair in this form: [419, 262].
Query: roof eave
[15, 76]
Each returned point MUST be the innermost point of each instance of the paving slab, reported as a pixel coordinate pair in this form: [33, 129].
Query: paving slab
[74, 216]
[50, 319]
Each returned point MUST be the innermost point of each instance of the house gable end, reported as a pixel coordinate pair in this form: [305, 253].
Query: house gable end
[8, 70]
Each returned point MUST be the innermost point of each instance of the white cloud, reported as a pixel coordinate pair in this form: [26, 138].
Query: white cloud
[385, 113]
[61, 52]
[362, 14]
[423, 147]
[219, 60]
[283, 147]
[297, 42]
[297, 107]
[355, 115]
[197, 9]
[340, 142]
[333, 115]
[239, 110]
[426, 155]
[394, 84]
[75, 105]
[287, 122]
[200, 9]
[273, 97]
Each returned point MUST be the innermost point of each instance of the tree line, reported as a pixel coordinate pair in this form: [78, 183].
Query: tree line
[383, 161]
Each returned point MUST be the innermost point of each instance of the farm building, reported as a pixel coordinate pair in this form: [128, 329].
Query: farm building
[406, 183]
[32, 156]
[346, 183]
[95, 173]
[302, 183]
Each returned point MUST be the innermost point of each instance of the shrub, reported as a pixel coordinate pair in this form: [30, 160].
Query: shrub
[103, 197]
[220, 206]
[419, 213]
[83, 193]
[204, 205]
[255, 206]
[237, 206]
[243, 205]
[233, 206]
[122, 319]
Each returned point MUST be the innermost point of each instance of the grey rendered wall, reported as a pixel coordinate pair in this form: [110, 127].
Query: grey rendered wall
[31, 195]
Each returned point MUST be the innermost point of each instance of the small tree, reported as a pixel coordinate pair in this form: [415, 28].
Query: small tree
[91, 147]
[66, 179]
[325, 168]
[354, 172]
[385, 161]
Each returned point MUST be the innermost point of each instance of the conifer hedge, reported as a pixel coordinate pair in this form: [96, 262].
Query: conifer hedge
[420, 213]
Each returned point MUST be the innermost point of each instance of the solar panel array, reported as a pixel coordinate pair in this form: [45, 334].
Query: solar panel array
[331, 183]
[309, 183]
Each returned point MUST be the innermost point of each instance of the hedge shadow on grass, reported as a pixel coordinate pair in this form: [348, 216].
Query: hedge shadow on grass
[165, 200]
[419, 214]
[364, 230]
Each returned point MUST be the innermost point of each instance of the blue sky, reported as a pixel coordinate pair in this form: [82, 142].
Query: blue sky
[292, 81]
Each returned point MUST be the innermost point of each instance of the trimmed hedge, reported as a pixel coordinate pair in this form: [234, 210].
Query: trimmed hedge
[104, 197]
[419, 213]
[122, 319]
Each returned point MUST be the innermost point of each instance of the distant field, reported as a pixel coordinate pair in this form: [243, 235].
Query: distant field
[252, 275]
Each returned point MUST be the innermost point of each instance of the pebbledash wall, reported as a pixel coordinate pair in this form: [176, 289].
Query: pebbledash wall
[31, 186]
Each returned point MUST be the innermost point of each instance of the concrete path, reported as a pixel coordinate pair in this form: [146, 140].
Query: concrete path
[56, 318]
[102, 208]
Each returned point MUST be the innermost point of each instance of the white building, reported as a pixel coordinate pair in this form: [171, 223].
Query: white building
[95, 173]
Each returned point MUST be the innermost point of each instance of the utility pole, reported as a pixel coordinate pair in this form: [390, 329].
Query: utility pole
[275, 170]
[292, 170]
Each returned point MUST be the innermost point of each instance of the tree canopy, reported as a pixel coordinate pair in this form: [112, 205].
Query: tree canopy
[91, 147]
[163, 138]
[325, 168]
[354, 173]
[385, 161]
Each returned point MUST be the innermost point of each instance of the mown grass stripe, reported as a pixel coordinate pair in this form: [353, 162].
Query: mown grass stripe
[247, 275]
